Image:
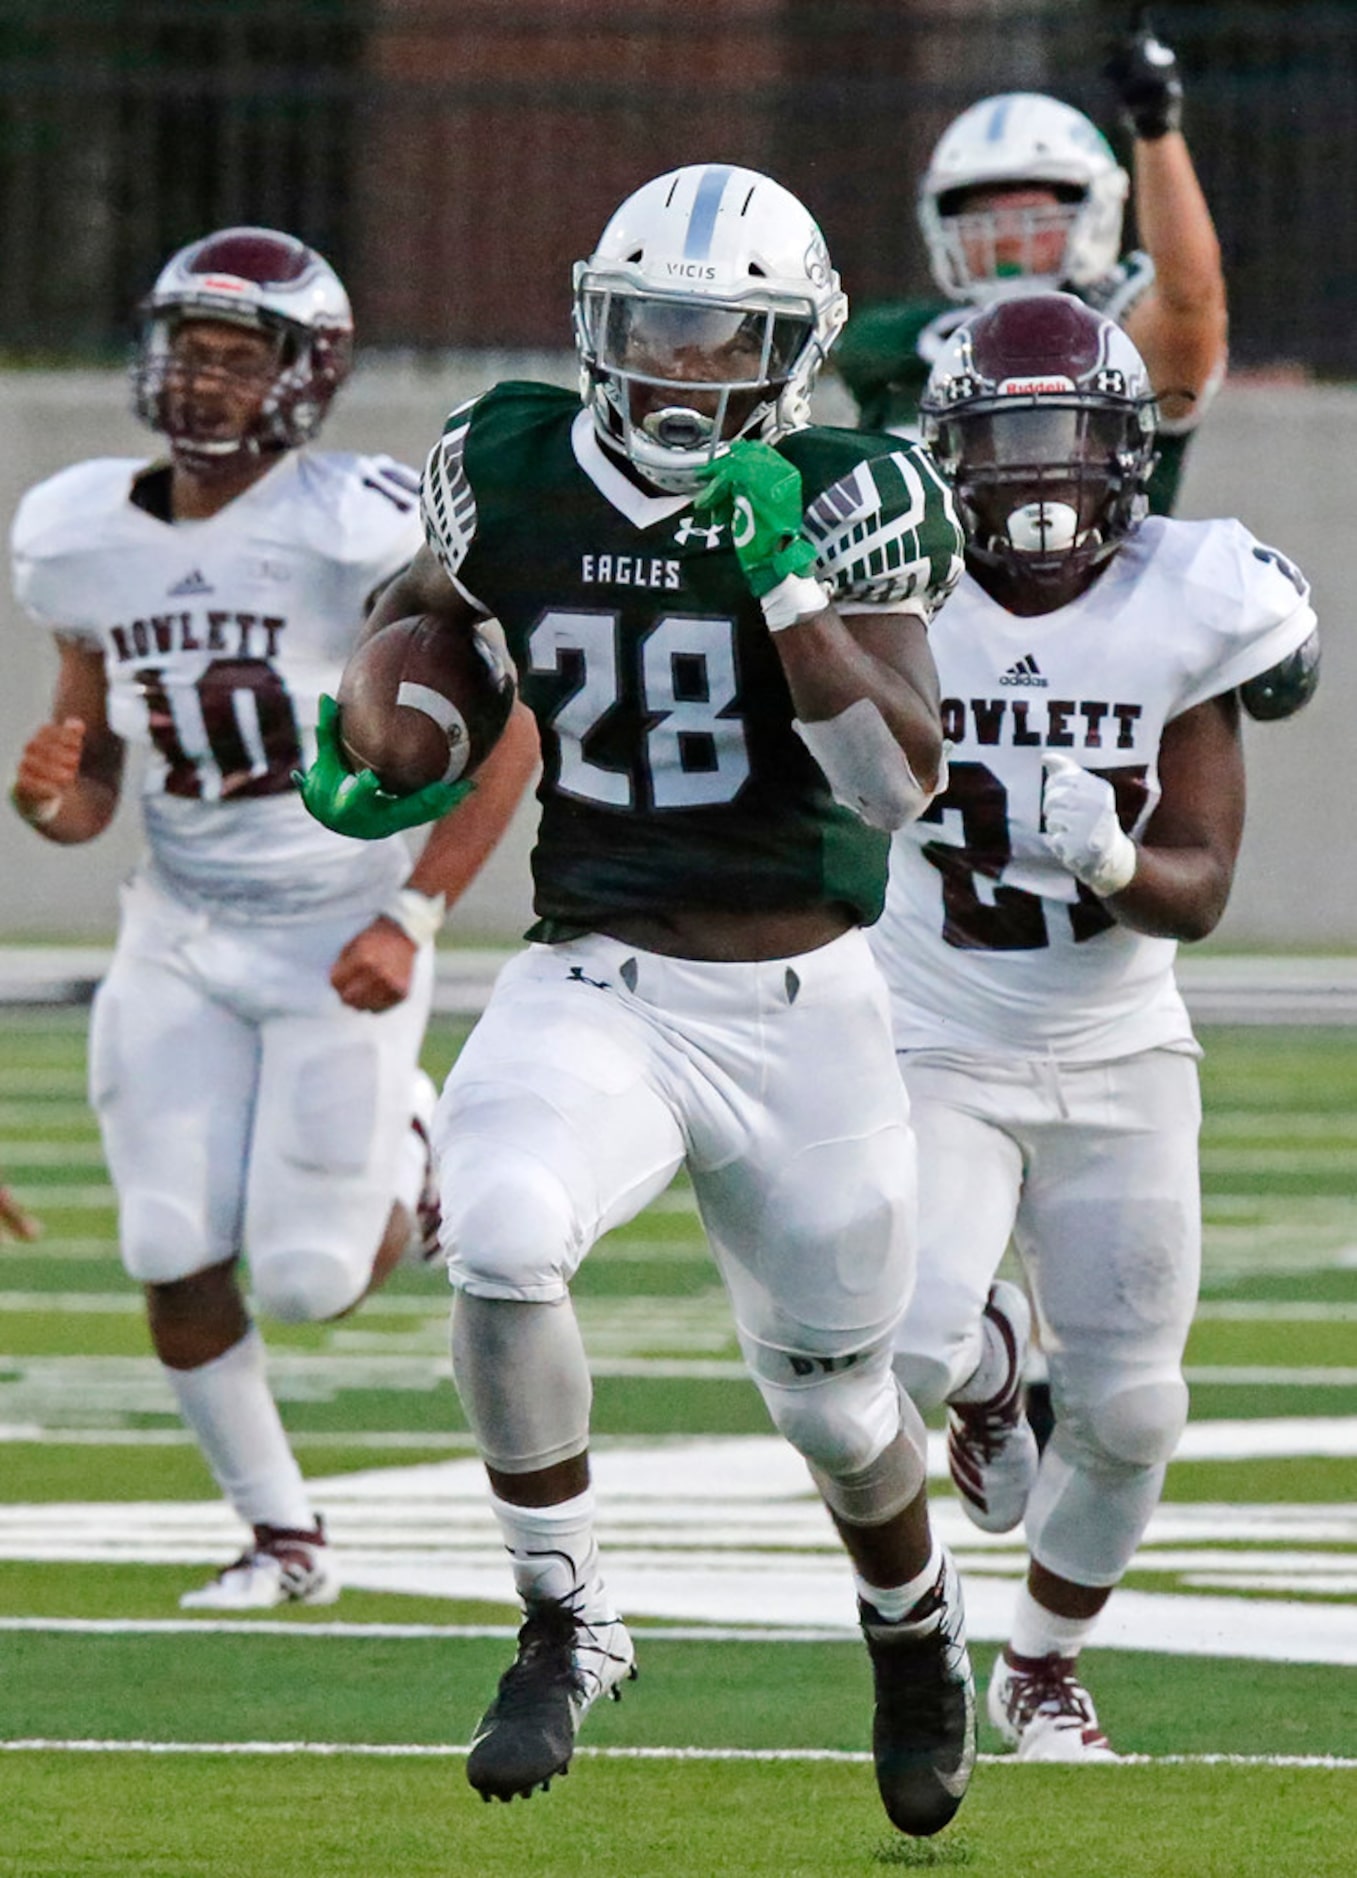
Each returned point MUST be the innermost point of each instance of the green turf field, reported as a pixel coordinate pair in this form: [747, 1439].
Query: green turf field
[135, 1740]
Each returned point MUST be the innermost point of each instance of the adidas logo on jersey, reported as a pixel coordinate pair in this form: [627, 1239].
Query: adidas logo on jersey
[1024, 672]
[191, 583]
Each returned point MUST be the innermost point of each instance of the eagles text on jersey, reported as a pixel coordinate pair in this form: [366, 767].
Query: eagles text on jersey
[672, 774]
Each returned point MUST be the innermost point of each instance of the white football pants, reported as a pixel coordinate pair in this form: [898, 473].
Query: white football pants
[1091, 1169]
[598, 1070]
[244, 1106]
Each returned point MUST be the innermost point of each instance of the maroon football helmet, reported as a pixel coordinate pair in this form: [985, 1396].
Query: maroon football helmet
[1040, 411]
[267, 282]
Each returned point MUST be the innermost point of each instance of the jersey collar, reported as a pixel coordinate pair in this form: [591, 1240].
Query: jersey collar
[615, 488]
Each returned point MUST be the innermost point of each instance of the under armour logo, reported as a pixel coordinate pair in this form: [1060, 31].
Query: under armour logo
[576, 976]
[689, 530]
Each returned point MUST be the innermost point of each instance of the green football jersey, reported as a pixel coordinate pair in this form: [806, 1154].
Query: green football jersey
[886, 353]
[672, 776]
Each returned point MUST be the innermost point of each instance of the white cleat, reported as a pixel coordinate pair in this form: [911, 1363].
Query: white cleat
[991, 1450]
[282, 1566]
[1041, 1708]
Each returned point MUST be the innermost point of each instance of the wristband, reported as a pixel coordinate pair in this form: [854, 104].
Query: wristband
[41, 813]
[794, 598]
[419, 915]
[1116, 869]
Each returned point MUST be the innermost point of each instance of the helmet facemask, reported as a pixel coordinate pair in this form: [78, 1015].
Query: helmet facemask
[261, 282]
[671, 378]
[986, 253]
[1047, 487]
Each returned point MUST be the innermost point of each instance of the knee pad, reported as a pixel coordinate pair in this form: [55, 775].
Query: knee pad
[1132, 1426]
[844, 1415]
[305, 1285]
[161, 1239]
[510, 1228]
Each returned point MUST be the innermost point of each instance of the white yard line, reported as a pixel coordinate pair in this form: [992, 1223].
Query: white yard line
[726, 1531]
[403, 1750]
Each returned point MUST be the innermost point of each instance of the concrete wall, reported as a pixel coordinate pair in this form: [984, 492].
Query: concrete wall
[1284, 459]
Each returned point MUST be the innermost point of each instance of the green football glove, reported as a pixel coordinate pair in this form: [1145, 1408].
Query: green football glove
[356, 804]
[758, 493]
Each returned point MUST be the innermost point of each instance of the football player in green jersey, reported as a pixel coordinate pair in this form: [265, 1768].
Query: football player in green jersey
[1023, 194]
[718, 615]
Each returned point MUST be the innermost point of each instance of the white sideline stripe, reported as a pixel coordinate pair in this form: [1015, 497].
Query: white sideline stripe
[378, 1441]
[1222, 989]
[435, 1305]
[272, 1627]
[402, 1750]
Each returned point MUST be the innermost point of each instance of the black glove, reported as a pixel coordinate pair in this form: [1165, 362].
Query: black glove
[1144, 74]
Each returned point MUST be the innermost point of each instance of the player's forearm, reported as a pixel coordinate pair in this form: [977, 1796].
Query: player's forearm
[1176, 228]
[873, 728]
[459, 846]
[83, 810]
[1175, 893]
[422, 587]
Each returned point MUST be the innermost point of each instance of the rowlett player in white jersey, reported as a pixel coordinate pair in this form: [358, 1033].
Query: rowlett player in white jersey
[254, 1047]
[1089, 664]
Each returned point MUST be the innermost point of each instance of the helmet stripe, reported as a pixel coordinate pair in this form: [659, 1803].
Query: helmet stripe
[702, 221]
[997, 123]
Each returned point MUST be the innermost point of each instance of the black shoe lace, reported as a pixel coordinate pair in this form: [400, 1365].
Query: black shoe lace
[546, 1657]
[917, 1703]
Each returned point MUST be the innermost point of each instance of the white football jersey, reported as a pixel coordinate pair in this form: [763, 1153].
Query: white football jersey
[218, 638]
[987, 942]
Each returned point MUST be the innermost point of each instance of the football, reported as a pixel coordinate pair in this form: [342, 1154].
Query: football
[421, 703]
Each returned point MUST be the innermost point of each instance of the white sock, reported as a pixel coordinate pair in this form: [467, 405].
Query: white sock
[1039, 1632]
[895, 1602]
[229, 1409]
[554, 1554]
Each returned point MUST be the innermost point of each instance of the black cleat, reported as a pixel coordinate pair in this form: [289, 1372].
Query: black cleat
[527, 1735]
[923, 1730]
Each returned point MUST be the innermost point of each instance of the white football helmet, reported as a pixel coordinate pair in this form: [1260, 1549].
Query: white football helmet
[268, 282]
[1021, 137]
[703, 315]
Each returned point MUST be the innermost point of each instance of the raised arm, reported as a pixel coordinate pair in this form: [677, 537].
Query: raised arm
[1180, 325]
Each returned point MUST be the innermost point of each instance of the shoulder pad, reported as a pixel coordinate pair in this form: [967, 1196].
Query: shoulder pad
[56, 516]
[357, 506]
[1285, 687]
